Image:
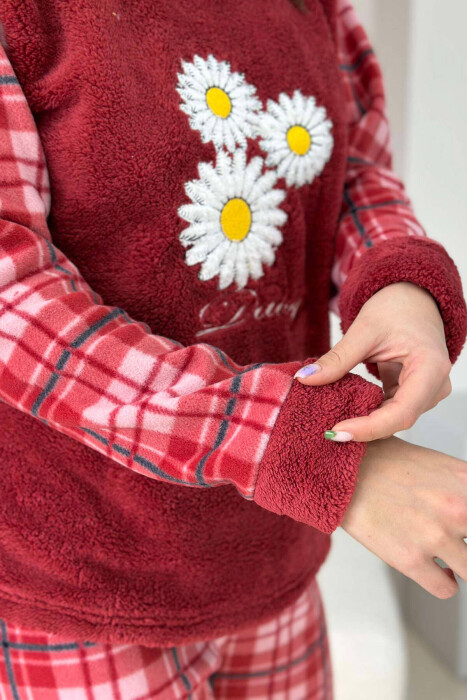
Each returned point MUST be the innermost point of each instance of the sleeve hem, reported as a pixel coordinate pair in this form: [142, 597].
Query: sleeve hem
[303, 475]
[423, 262]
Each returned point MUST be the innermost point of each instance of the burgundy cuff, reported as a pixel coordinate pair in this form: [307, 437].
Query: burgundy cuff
[303, 475]
[408, 259]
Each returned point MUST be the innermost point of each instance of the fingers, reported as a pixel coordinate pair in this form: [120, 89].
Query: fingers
[444, 392]
[429, 575]
[455, 556]
[353, 348]
[416, 394]
[389, 374]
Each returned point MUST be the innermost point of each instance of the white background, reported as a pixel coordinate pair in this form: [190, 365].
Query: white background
[421, 45]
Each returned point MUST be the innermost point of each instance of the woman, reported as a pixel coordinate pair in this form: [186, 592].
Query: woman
[172, 234]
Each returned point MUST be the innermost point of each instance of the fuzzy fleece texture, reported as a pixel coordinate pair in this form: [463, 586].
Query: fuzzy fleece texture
[303, 475]
[418, 260]
[89, 549]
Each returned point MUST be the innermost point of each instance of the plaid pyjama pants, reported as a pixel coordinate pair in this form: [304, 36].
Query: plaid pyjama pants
[286, 658]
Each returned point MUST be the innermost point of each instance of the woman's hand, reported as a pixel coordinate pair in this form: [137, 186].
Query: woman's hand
[401, 329]
[409, 506]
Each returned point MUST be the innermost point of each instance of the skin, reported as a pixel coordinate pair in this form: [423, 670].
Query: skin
[410, 503]
[401, 329]
[409, 506]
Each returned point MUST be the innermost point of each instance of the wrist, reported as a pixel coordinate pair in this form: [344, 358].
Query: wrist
[422, 263]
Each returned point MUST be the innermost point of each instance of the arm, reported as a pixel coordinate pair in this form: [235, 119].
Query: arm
[410, 506]
[377, 215]
[398, 292]
[187, 415]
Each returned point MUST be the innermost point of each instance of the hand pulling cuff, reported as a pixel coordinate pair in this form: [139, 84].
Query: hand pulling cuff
[423, 262]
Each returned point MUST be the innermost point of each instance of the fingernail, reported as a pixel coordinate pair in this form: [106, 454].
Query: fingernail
[338, 436]
[308, 371]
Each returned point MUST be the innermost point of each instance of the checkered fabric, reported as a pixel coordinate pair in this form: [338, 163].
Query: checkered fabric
[159, 408]
[285, 659]
[144, 400]
[375, 205]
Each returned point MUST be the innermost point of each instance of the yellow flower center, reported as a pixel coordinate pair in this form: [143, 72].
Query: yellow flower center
[236, 219]
[299, 139]
[219, 102]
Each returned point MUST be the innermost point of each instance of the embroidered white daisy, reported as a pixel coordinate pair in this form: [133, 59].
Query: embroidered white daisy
[220, 104]
[234, 219]
[296, 135]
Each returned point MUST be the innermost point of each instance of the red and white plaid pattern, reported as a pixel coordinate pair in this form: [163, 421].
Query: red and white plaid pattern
[186, 415]
[286, 658]
[375, 204]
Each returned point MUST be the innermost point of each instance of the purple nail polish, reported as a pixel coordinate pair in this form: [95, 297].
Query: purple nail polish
[308, 371]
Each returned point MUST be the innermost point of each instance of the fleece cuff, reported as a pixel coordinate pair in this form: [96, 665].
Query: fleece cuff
[303, 475]
[408, 259]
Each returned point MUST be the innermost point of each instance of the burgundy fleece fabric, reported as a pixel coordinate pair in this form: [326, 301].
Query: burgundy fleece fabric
[303, 476]
[408, 259]
[89, 549]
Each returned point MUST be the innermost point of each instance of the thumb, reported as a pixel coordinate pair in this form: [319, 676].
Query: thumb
[343, 357]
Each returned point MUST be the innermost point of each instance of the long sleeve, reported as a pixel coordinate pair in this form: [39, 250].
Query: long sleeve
[186, 415]
[379, 240]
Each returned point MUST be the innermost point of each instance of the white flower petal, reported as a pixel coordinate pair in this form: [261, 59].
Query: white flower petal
[254, 263]
[199, 194]
[195, 232]
[204, 247]
[239, 134]
[255, 166]
[238, 171]
[195, 213]
[210, 267]
[213, 67]
[273, 128]
[241, 268]
[319, 116]
[265, 251]
[269, 200]
[228, 140]
[223, 164]
[288, 108]
[211, 180]
[274, 217]
[193, 82]
[227, 268]
[299, 104]
[207, 244]
[216, 135]
[269, 234]
[276, 112]
[224, 72]
[303, 172]
[292, 173]
[233, 81]
[261, 185]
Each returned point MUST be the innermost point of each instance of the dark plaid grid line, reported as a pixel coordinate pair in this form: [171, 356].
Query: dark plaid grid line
[375, 205]
[285, 657]
[191, 416]
[292, 657]
[9, 660]
[172, 413]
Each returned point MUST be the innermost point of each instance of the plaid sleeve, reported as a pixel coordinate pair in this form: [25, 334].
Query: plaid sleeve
[375, 205]
[186, 415]
[379, 241]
